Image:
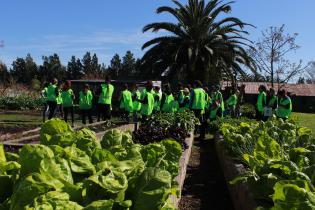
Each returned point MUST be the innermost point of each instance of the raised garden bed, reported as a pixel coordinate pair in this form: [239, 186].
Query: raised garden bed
[240, 194]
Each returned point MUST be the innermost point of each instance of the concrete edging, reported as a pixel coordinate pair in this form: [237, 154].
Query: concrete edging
[240, 194]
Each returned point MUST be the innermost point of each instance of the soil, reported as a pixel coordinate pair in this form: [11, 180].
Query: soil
[205, 187]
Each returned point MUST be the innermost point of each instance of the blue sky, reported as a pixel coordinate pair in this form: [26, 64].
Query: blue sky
[106, 27]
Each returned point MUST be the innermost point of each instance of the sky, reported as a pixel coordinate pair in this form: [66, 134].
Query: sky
[106, 27]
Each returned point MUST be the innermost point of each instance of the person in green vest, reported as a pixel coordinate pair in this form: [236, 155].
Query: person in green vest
[285, 105]
[167, 99]
[232, 102]
[198, 105]
[136, 102]
[59, 102]
[147, 103]
[86, 103]
[105, 100]
[157, 99]
[68, 97]
[126, 105]
[184, 104]
[52, 94]
[261, 102]
[217, 104]
[272, 99]
[180, 92]
[44, 97]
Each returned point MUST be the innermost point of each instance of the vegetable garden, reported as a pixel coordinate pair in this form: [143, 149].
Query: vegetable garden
[267, 165]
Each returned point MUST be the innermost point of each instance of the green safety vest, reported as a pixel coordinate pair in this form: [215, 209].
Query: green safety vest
[261, 101]
[126, 101]
[51, 93]
[272, 101]
[181, 96]
[213, 112]
[232, 101]
[67, 98]
[168, 103]
[136, 104]
[186, 107]
[175, 106]
[199, 102]
[147, 109]
[85, 100]
[157, 104]
[44, 94]
[284, 112]
[107, 94]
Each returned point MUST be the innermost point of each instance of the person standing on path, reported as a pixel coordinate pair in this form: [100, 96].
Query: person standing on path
[126, 105]
[147, 103]
[285, 105]
[217, 104]
[44, 97]
[105, 100]
[232, 102]
[52, 94]
[136, 95]
[167, 99]
[261, 102]
[198, 105]
[67, 101]
[85, 104]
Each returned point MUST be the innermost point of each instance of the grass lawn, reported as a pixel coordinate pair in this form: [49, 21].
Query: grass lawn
[306, 120]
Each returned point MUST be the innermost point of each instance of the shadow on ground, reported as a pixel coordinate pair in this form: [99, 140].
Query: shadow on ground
[205, 186]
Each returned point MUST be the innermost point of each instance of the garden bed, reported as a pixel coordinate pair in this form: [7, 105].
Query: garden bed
[240, 194]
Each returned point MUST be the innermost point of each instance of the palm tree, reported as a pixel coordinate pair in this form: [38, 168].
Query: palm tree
[200, 45]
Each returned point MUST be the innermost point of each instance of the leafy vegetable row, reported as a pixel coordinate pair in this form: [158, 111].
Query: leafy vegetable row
[73, 170]
[167, 125]
[280, 161]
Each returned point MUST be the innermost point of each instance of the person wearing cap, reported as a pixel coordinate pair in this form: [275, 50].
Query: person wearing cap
[126, 104]
[198, 105]
[184, 104]
[147, 103]
[217, 104]
[52, 94]
[167, 99]
[105, 100]
[232, 102]
[67, 102]
[85, 104]
[261, 102]
[285, 105]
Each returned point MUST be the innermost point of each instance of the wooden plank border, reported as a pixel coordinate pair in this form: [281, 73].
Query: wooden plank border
[240, 194]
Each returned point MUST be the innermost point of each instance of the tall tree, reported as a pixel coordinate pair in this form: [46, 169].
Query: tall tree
[24, 70]
[128, 64]
[86, 61]
[270, 55]
[115, 66]
[4, 73]
[199, 45]
[52, 68]
[74, 68]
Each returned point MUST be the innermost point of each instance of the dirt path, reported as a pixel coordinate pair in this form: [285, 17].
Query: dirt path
[205, 187]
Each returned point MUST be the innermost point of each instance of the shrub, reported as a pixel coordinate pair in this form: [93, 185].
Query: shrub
[248, 110]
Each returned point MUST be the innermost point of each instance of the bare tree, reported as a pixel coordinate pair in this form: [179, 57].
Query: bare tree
[310, 72]
[270, 55]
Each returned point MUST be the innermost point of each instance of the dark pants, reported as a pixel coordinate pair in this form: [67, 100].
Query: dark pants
[66, 111]
[259, 115]
[125, 115]
[45, 105]
[104, 111]
[202, 127]
[52, 108]
[88, 113]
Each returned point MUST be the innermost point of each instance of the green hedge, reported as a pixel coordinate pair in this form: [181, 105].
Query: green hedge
[20, 103]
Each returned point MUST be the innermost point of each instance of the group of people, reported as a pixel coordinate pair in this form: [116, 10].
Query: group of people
[269, 104]
[208, 104]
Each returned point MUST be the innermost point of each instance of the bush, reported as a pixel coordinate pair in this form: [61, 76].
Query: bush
[248, 110]
[20, 103]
